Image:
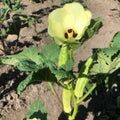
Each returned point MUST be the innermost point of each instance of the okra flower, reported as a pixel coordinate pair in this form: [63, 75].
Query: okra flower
[68, 24]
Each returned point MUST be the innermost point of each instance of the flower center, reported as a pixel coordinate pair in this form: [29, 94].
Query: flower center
[70, 34]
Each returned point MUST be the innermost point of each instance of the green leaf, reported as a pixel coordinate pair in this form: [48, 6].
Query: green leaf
[105, 64]
[3, 32]
[39, 76]
[24, 83]
[59, 73]
[4, 14]
[110, 51]
[114, 46]
[95, 25]
[44, 75]
[108, 59]
[27, 60]
[102, 64]
[37, 110]
[115, 64]
[68, 66]
[12, 4]
[116, 41]
[93, 28]
[51, 74]
[27, 65]
[50, 52]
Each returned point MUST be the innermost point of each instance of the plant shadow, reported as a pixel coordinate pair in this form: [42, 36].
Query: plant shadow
[100, 107]
[10, 81]
[44, 11]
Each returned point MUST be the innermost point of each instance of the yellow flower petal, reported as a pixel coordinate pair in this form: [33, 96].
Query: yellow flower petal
[70, 12]
[68, 24]
[55, 24]
[82, 22]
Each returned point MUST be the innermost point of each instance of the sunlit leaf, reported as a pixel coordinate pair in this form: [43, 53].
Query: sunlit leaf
[115, 64]
[27, 60]
[102, 64]
[115, 43]
[108, 59]
[110, 51]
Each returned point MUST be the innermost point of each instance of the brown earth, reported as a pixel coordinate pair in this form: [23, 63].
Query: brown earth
[14, 107]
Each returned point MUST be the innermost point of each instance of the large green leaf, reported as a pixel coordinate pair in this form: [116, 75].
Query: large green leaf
[51, 74]
[108, 59]
[101, 65]
[38, 76]
[37, 110]
[105, 65]
[27, 60]
[51, 52]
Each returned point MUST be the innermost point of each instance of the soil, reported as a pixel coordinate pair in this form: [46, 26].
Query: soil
[15, 107]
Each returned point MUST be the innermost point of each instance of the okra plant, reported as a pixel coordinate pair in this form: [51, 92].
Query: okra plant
[12, 4]
[69, 27]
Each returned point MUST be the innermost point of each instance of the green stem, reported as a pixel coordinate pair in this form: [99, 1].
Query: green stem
[86, 95]
[75, 106]
[78, 101]
[55, 94]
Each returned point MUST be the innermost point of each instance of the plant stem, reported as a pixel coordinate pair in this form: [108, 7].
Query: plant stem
[55, 94]
[75, 106]
[86, 95]
[78, 101]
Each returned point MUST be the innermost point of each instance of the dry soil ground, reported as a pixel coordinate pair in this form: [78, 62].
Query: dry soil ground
[14, 107]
